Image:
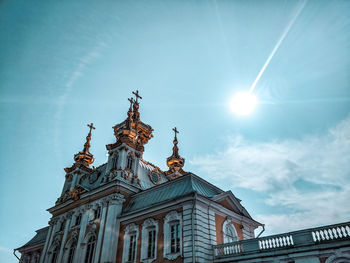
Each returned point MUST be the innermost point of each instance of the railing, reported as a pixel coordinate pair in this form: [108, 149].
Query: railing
[287, 240]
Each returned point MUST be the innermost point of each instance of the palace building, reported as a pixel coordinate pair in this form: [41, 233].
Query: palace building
[129, 210]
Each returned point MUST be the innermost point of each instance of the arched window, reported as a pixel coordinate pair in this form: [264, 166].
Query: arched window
[71, 252]
[149, 240]
[130, 243]
[172, 235]
[229, 232]
[54, 254]
[129, 163]
[90, 249]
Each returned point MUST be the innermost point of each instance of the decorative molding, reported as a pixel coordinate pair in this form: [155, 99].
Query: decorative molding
[170, 218]
[129, 230]
[116, 199]
[228, 226]
[147, 225]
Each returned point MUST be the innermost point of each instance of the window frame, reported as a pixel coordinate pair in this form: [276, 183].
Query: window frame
[129, 160]
[225, 237]
[130, 230]
[149, 225]
[88, 256]
[170, 220]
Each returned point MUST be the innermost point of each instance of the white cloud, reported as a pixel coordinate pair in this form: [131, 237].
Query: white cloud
[308, 178]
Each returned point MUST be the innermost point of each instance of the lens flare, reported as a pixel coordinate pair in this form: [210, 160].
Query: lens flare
[243, 103]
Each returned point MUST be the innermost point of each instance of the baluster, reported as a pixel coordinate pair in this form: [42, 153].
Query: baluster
[318, 235]
[330, 233]
[343, 231]
[339, 232]
[326, 235]
[270, 243]
[313, 236]
[291, 240]
[334, 231]
[284, 241]
[347, 229]
[322, 234]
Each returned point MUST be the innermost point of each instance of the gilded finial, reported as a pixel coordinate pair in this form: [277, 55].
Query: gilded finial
[175, 162]
[85, 157]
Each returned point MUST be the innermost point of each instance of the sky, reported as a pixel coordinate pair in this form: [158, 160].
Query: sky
[65, 64]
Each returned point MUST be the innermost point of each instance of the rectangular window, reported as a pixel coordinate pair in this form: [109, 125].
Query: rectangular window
[129, 165]
[175, 238]
[151, 243]
[132, 248]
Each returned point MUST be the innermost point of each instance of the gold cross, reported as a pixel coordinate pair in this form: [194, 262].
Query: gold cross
[137, 95]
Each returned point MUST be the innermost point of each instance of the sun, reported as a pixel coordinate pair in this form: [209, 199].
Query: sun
[243, 103]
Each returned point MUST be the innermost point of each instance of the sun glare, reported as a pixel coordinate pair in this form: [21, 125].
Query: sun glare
[243, 103]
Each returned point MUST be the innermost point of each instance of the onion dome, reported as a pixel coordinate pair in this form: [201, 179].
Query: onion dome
[175, 162]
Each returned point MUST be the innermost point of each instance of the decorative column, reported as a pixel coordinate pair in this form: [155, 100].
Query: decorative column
[52, 230]
[65, 233]
[110, 240]
[99, 244]
[84, 221]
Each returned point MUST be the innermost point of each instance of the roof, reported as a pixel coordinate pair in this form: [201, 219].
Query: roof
[179, 187]
[39, 238]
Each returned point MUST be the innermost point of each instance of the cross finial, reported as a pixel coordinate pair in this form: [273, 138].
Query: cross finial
[136, 93]
[132, 101]
[175, 131]
[91, 126]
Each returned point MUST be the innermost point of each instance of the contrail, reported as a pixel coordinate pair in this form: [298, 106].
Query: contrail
[284, 34]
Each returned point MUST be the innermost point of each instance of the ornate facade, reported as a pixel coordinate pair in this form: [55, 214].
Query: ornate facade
[129, 210]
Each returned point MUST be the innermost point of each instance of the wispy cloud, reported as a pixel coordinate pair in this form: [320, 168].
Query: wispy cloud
[308, 178]
[84, 62]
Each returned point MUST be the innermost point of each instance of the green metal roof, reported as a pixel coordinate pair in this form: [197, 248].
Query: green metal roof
[171, 190]
[39, 238]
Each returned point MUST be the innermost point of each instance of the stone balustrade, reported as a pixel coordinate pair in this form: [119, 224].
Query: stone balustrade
[306, 237]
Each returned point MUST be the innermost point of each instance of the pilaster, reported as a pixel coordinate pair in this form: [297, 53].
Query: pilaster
[99, 244]
[84, 220]
[52, 229]
[110, 240]
[66, 229]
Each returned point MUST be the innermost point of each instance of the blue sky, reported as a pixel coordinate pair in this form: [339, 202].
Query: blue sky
[68, 63]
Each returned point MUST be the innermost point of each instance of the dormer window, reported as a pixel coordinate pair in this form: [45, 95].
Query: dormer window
[129, 163]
